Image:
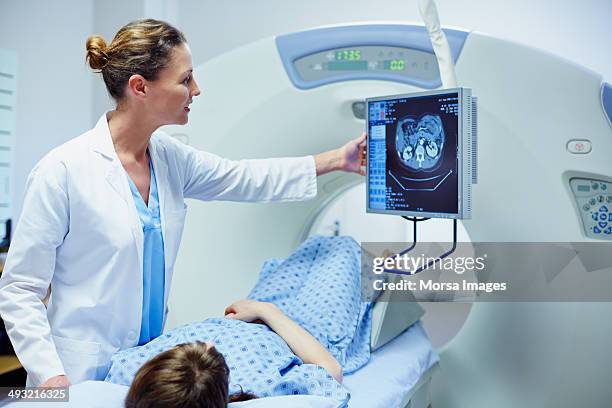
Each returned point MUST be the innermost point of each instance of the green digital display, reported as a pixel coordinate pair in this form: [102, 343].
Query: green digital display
[346, 65]
[348, 55]
[366, 61]
[350, 60]
[395, 65]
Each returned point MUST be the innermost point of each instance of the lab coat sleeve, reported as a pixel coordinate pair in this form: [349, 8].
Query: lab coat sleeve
[29, 268]
[210, 177]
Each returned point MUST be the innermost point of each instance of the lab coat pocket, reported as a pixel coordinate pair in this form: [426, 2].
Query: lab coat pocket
[80, 358]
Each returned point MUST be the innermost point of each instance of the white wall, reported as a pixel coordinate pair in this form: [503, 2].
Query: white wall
[53, 84]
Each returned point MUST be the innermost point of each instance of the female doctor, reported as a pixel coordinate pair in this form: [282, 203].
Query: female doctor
[103, 213]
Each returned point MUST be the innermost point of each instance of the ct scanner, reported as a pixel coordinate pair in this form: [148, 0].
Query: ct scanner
[543, 121]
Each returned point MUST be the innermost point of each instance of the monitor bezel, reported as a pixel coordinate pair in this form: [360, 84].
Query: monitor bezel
[462, 141]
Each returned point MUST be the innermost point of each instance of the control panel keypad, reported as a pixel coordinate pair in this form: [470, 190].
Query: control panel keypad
[594, 199]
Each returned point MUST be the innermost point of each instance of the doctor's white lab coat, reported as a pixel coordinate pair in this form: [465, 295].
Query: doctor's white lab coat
[80, 232]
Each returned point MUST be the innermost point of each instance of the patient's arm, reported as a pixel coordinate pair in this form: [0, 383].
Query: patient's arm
[303, 344]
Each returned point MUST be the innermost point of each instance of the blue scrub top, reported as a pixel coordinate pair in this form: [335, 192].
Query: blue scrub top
[153, 261]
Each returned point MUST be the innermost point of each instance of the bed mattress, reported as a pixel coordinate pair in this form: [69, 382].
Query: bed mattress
[392, 371]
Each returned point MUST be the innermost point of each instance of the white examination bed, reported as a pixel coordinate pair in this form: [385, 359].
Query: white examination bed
[397, 375]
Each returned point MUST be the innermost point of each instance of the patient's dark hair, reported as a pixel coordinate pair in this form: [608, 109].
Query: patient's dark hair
[186, 376]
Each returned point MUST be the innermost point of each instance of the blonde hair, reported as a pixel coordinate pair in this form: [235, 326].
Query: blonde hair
[140, 47]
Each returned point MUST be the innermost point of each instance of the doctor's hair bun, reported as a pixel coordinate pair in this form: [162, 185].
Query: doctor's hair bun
[141, 47]
[96, 52]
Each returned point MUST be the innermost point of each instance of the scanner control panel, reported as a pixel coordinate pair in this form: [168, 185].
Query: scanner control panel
[594, 200]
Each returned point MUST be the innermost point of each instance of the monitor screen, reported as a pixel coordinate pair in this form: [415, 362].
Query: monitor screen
[417, 154]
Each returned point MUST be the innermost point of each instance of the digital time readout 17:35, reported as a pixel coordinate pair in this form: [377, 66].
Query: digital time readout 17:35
[355, 55]
[348, 55]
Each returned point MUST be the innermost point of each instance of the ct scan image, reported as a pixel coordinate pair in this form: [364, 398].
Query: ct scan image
[419, 142]
[421, 154]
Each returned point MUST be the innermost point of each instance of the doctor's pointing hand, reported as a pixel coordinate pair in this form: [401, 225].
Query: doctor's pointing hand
[103, 214]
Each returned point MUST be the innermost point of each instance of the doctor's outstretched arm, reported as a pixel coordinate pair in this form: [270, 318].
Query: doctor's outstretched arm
[206, 176]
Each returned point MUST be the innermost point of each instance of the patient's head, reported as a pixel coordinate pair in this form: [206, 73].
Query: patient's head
[186, 376]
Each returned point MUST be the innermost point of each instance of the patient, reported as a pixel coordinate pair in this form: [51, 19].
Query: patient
[302, 327]
[197, 375]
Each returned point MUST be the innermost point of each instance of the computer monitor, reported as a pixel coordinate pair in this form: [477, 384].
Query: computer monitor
[422, 154]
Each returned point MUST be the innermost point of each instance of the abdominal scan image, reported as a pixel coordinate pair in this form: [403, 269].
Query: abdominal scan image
[419, 142]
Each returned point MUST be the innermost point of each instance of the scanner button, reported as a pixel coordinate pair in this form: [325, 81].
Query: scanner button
[577, 146]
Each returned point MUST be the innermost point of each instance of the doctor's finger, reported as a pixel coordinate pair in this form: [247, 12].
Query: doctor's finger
[362, 138]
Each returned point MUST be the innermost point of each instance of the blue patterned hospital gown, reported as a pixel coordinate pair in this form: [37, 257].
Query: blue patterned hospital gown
[318, 286]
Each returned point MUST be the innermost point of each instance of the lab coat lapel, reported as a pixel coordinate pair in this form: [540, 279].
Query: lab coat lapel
[102, 143]
[115, 177]
[161, 174]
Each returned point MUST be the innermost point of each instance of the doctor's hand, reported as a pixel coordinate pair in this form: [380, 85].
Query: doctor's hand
[58, 381]
[247, 310]
[351, 158]
[353, 155]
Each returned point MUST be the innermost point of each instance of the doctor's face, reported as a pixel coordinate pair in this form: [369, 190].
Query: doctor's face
[173, 90]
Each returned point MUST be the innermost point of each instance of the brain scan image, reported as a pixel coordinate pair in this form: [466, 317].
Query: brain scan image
[419, 142]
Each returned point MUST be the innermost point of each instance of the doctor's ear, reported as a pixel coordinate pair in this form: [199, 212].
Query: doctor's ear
[137, 85]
